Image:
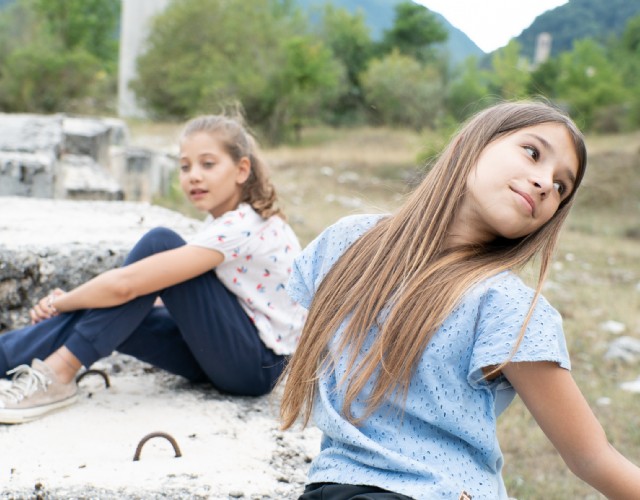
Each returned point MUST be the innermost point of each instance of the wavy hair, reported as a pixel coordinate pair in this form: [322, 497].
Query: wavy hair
[401, 265]
[238, 142]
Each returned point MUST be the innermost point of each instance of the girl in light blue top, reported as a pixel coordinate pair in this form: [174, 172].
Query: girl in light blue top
[419, 333]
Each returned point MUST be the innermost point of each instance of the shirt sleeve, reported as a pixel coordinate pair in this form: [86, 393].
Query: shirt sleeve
[317, 259]
[226, 234]
[502, 313]
[311, 266]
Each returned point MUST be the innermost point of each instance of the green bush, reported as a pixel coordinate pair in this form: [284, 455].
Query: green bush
[59, 56]
[40, 79]
[203, 54]
[400, 91]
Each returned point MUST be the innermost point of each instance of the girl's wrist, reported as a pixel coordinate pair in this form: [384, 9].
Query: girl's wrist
[50, 299]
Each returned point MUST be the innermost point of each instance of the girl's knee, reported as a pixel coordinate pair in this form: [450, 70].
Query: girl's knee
[162, 238]
[162, 233]
[154, 241]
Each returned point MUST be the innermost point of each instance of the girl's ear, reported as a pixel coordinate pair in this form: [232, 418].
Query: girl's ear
[244, 170]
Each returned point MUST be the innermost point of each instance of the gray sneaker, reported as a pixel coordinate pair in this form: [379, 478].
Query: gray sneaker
[33, 393]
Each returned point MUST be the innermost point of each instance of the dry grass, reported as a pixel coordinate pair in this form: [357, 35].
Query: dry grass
[622, 143]
[596, 277]
[334, 173]
[366, 147]
[594, 280]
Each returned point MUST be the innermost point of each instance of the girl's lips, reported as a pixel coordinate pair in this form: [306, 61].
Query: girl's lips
[528, 199]
[197, 193]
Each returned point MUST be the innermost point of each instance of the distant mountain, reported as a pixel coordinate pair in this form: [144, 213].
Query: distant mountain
[380, 14]
[459, 46]
[577, 19]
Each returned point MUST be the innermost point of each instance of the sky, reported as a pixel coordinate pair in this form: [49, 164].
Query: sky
[491, 23]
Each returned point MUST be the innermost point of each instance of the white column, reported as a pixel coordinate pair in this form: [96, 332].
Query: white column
[135, 22]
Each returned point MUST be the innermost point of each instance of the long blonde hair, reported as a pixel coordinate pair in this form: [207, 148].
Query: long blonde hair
[401, 263]
[257, 190]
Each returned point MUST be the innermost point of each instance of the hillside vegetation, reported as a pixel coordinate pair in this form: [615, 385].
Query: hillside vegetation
[599, 20]
[379, 15]
[291, 65]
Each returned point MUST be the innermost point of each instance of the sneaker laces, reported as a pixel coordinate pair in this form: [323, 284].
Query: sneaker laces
[25, 382]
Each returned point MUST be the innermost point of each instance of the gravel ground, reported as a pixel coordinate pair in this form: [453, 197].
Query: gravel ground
[231, 447]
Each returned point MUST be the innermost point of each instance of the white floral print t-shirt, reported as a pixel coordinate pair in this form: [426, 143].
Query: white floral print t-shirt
[258, 256]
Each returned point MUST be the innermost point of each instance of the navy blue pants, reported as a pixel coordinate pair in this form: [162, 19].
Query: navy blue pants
[333, 491]
[202, 333]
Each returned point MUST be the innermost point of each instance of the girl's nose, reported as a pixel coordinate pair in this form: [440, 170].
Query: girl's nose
[195, 174]
[540, 189]
[543, 184]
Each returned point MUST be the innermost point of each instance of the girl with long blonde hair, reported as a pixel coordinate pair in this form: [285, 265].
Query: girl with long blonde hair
[419, 332]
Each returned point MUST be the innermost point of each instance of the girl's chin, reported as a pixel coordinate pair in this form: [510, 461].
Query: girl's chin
[198, 201]
[200, 207]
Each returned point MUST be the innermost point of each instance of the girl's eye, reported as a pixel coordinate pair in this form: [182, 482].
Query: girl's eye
[532, 151]
[184, 168]
[208, 164]
[560, 187]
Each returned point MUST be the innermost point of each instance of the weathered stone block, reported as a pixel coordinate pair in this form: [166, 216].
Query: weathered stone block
[29, 133]
[27, 174]
[83, 179]
[143, 173]
[47, 244]
[87, 136]
[62, 156]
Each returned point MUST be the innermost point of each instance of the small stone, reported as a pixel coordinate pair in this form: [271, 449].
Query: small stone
[612, 326]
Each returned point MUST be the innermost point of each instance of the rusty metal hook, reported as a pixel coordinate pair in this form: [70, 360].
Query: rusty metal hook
[104, 376]
[169, 438]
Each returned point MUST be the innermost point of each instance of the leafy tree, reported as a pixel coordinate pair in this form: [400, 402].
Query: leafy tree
[588, 81]
[626, 57]
[18, 25]
[347, 35]
[631, 35]
[203, 54]
[40, 72]
[510, 72]
[87, 24]
[468, 91]
[544, 79]
[414, 31]
[310, 78]
[401, 91]
[46, 80]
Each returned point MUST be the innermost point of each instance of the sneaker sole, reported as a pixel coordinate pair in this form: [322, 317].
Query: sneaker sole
[22, 415]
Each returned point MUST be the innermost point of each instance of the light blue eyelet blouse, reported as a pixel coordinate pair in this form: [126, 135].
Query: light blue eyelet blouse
[443, 440]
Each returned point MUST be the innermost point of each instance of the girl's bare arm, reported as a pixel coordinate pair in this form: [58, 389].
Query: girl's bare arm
[123, 284]
[561, 411]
